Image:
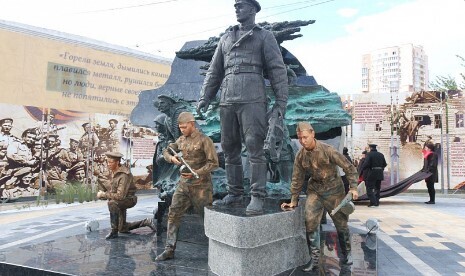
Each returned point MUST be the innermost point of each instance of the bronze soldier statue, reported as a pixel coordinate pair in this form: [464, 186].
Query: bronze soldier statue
[325, 190]
[244, 53]
[121, 197]
[199, 153]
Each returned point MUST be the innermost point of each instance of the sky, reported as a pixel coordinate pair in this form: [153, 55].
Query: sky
[331, 49]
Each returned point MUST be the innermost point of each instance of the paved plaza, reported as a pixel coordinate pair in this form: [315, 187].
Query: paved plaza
[415, 238]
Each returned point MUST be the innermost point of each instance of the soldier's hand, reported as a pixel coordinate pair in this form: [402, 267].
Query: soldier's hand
[288, 206]
[202, 106]
[354, 194]
[175, 160]
[101, 195]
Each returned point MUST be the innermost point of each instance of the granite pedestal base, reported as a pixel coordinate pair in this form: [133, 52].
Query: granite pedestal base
[266, 244]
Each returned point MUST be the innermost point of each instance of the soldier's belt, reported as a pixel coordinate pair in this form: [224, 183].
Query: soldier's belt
[377, 168]
[237, 69]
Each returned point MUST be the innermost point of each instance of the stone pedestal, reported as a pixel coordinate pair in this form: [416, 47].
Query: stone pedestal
[267, 244]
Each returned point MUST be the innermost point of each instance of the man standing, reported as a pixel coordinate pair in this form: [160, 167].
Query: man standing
[244, 53]
[19, 153]
[113, 135]
[325, 190]
[6, 138]
[199, 153]
[121, 197]
[374, 164]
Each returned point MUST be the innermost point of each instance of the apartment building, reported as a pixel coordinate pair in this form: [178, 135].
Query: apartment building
[394, 69]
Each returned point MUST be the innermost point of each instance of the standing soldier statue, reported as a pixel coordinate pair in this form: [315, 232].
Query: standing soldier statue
[195, 185]
[244, 53]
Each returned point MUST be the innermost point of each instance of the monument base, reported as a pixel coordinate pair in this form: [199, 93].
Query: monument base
[266, 244]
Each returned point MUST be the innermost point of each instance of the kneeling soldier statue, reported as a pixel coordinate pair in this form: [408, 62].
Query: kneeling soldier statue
[121, 197]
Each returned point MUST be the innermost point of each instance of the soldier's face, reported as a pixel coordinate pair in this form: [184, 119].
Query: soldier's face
[27, 179]
[243, 11]
[73, 145]
[80, 175]
[112, 124]
[6, 127]
[29, 138]
[306, 139]
[163, 105]
[112, 164]
[187, 128]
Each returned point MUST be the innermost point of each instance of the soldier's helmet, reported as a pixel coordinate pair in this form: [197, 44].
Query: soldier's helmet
[160, 119]
[185, 117]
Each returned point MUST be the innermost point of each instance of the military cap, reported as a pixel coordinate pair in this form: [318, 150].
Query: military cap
[28, 131]
[302, 126]
[113, 120]
[73, 140]
[78, 167]
[250, 2]
[185, 117]
[160, 119]
[6, 120]
[84, 125]
[166, 97]
[114, 155]
[372, 145]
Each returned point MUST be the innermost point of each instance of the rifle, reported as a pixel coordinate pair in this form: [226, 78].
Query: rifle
[345, 201]
[274, 141]
[184, 163]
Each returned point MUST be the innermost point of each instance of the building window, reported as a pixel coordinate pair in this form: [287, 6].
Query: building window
[378, 127]
[437, 121]
[459, 120]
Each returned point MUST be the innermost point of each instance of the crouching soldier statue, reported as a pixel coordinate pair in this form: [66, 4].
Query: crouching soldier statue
[325, 190]
[121, 197]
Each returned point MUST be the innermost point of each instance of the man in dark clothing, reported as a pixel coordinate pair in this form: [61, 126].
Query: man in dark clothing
[362, 174]
[345, 152]
[430, 164]
[374, 164]
[244, 53]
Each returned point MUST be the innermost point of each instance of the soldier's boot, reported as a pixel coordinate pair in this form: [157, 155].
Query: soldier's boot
[313, 243]
[235, 178]
[114, 220]
[257, 187]
[171, 237]
[255, 206]
[149, 222]
[346, 248]
[123, 225]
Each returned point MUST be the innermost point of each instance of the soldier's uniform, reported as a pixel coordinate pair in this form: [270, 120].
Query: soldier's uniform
[325, 190]
[18, 154]
[103, 176]
[5, 140]
[238, 65]
[113, 137]
[121, 197]
[199, 152]
[88, 141]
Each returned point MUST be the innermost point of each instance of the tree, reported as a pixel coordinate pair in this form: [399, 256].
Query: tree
[446, 83]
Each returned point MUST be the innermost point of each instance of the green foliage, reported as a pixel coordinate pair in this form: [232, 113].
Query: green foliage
[446, 83]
